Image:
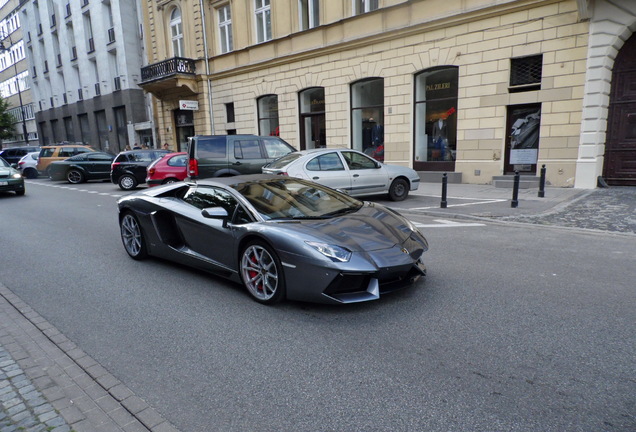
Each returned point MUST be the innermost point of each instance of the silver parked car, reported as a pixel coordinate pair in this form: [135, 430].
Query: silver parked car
[348, 170]
[282, 237]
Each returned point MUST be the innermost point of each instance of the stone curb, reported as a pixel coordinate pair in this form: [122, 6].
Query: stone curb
[84, 393]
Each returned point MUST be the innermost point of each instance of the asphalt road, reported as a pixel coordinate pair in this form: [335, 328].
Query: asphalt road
[516, 328]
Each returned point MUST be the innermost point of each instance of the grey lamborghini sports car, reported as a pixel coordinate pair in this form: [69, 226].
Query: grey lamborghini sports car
[282, 237]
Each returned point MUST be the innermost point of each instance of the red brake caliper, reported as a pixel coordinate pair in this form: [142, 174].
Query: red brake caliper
[253, 273]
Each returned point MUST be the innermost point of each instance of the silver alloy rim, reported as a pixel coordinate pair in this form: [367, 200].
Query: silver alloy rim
[126, 182]
[259, 272]
[74, 177]
[131, 235]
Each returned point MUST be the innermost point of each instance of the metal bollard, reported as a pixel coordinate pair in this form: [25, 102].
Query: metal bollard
[541, 193]
[444, 187]
[515, 192]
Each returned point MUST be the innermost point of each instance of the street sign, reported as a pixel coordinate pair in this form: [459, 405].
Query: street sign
[189, 105]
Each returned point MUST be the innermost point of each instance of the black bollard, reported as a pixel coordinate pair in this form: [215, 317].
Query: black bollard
[444, 187]
[515, 192]
[542, 183]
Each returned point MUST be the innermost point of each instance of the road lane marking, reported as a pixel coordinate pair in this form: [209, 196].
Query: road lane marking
[443, 223]
[76, 189]
[478, 201]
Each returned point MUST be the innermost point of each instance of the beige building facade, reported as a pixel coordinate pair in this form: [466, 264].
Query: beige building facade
[477, 88]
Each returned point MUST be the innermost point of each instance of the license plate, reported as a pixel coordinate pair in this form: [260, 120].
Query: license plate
[3, 183]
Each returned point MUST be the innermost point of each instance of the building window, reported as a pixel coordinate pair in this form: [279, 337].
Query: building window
[312, 118]
[225, 29]
[262, 10]
[525, 73]
[367, 116]
[309, 11]
[364, 6]
[435, 120]
[229, 111]
[176, 32]
[268, 115]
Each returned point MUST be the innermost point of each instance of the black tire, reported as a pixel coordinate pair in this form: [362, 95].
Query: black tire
[127, 182]
[75, 176]
[20, 193]
[399, 190]
[262, 273]
[169, 180]
[132, 236]
[31, 173]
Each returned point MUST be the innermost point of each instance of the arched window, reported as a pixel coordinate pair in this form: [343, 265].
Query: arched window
[268, 115]
[435, 119]
[312, 118]
[176, 33]
[367, 117]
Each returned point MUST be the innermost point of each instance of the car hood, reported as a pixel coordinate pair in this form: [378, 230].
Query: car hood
[4, 171]
[370, 228]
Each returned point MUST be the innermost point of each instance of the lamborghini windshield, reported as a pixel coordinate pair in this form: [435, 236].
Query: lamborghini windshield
[290, 198]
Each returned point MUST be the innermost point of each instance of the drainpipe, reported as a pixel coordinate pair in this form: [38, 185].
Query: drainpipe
[207, 66]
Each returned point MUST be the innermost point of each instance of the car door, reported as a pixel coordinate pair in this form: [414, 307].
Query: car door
[249, 156]
[210, 238]
[367, 175]
[328, 169]
[98, 165]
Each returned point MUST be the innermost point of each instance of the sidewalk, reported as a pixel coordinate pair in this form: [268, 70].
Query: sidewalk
[48, 384]
[610, 209]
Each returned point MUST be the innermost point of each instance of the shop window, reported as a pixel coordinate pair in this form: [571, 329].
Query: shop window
[312, 118]
[268, 115]
[367, 117]
[436, 119]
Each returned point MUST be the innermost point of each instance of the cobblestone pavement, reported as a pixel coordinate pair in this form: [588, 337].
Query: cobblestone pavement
[611, 209]
[48, 384]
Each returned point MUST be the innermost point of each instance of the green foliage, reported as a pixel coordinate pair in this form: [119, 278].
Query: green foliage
[6, 120]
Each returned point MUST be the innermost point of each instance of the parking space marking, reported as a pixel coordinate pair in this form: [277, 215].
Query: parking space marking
[477, 201]
[76, 189]
[443, 223]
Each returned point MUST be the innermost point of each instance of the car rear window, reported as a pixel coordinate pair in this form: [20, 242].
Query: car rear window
[285, 160]
[211, 148]
[141, 157]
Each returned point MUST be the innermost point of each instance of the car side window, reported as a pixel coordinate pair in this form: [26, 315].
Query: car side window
[98, 157]
[47, 152]
[203, 197]
[276, 148]
[211, 148]
[247, 149]
[357, 161]
[81, 150]
[66, 152]
[178, 161]
[326, 162]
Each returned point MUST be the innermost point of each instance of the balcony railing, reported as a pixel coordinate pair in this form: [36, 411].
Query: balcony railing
[166, 68]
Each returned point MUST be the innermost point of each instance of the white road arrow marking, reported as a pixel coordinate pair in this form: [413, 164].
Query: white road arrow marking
[443, 223]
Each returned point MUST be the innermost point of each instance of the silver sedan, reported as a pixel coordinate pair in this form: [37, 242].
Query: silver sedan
[348, 170]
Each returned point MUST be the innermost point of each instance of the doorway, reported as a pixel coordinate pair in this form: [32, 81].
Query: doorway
[522, 139]
[620, 148]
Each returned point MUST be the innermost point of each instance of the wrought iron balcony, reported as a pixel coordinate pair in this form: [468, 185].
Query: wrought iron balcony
[168, 68]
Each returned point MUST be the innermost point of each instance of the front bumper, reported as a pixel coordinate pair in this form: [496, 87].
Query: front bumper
[12, 185]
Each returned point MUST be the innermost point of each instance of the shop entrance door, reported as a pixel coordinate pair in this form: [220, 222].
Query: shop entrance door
[522, 139]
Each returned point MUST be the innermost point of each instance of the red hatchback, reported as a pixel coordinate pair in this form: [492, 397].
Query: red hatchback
[167, 169]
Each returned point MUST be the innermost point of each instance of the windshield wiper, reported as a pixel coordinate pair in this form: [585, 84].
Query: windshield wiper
[340, 212]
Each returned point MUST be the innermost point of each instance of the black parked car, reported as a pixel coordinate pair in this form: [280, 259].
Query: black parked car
[82, 167]
[13, 155]
[129, 167]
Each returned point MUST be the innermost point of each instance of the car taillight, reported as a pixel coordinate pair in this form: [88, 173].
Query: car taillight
[113, 165]
[21, 163]
[193, 168]
[151, 171]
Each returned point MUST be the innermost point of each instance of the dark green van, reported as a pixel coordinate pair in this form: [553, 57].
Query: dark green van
[230, 155]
